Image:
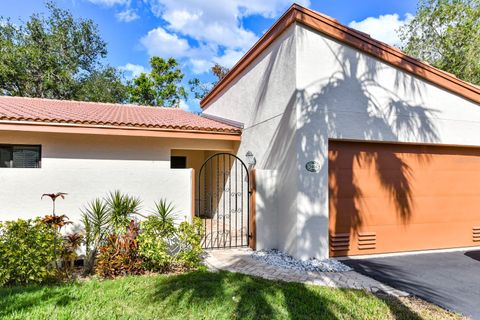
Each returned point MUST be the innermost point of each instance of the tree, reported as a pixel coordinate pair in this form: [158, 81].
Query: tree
[201, 89]
[446, 34]
[104, 85]
[159, 87]
[219, 71]
[53, 56]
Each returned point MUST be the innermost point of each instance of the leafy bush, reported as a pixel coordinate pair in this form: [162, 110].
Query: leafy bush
[70, 244]
[27, 252]
[57, 223]
[156, 237]
[103, 218]
[189, 242]
[164, 246]
[120, 256]
[121, 247]
[153, 243]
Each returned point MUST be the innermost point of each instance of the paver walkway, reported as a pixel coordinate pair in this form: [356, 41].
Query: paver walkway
[241, 261]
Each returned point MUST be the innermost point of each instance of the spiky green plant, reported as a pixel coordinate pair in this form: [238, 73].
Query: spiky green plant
[121, 208]
[164, 210]
[96, 220]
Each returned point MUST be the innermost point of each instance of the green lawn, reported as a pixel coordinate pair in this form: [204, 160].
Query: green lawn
[199, 295]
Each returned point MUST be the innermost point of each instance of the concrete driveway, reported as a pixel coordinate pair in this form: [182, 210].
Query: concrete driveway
[450, 280]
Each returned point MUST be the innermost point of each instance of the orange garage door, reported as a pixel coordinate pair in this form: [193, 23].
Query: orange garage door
[391, 198]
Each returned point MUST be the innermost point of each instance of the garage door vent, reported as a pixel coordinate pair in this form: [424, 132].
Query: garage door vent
[340, 242]
[367, 240]
[476, 234]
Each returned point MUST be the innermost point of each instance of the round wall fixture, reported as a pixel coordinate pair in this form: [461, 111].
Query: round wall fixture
[312, 166]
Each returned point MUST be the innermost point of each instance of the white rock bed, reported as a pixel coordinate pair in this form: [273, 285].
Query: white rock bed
[281, 259]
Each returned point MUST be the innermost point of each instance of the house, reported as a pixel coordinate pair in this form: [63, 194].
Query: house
[321, 142]
[88, 149]
[359, 148]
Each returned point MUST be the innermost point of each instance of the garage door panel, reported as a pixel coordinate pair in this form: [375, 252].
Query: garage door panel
[445, 235]
[424, 236]
[433, 209]
[409, 197]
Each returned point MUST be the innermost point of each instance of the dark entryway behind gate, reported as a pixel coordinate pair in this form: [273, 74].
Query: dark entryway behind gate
[224, 201]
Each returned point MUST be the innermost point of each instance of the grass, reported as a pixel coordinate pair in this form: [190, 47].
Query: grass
[202, 295]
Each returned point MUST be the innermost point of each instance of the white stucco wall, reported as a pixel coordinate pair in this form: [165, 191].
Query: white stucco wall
[262, 98]
[306, 89]
[89, 166]
[347, 94]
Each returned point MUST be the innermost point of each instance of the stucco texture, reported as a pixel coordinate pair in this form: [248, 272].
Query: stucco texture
[89, 166]
[306, 89]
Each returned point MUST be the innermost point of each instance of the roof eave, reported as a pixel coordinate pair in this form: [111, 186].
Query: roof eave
[351, 37]
[67, 128]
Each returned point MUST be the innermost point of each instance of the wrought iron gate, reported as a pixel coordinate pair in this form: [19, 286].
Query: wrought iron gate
[223, 201]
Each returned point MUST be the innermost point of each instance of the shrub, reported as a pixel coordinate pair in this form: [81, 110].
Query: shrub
[27, 252]
[57, 223]
[120, 256]
[95, 219]
[69, 246]
[164, 246]
[122, 248]
[153, 243]
[155, 240]
[189, 243]
[103, 218]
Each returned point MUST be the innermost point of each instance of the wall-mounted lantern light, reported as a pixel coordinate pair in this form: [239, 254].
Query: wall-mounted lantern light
[251, 161]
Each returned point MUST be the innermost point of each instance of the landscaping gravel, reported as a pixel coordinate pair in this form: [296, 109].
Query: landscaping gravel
[281, 259]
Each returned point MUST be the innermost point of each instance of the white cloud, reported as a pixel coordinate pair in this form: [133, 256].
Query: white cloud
[162, 43]
[200, 65]
[133, 70]
[127, 15]
[229, 58]
[383, 28]
[215, 22]
[184, 106]
[110, 3]
[214, 26]
[268, 8]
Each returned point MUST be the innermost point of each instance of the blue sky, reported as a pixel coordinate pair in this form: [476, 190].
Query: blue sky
[201, 32]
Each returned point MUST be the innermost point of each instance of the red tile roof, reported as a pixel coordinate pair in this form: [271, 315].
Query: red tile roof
[106, 114]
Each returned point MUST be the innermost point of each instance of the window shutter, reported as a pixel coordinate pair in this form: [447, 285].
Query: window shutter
[26, 156]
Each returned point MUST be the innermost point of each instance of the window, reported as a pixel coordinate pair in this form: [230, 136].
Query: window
[20, 156]
[177, 162]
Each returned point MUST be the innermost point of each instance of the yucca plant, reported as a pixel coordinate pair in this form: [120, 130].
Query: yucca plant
[96, 220]
[164, 210]
[121, 209]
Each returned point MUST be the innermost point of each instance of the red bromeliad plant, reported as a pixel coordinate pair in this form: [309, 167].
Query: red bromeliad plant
[55, 221]
[71, 243]
[54, 197]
